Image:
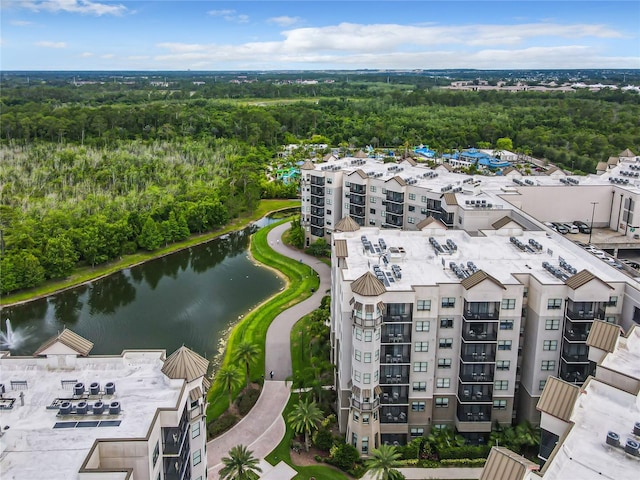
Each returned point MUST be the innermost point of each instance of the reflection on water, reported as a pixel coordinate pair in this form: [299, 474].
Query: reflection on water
[187, 298]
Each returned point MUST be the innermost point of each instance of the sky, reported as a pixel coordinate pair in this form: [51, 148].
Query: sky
[312, 35]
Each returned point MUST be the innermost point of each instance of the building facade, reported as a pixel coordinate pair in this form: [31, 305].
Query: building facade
[437, 327]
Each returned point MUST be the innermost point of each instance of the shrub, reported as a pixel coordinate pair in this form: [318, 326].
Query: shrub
[247, 400]
[357, 471]
[464, 462]
[317, 458]
[323, 439]
[221, 425]
[466, 451]
[343, 456]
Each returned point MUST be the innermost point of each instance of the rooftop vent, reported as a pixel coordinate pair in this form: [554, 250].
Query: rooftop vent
[78, 389]
[98, 408]
[65, 408]
[81, 408]
[114, 408]
[632, 447]
[613, 439]
[110, 388]
[94, 388]
[636, 428]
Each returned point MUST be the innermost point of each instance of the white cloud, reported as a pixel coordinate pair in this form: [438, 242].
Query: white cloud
[48, 44]
[284, 21]
[229, 15]
[107, 55]
[86, 54]
[85, 7]
[20, 23]
[138, 57]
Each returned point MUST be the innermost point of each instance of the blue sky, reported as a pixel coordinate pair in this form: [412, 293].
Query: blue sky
[273, 35]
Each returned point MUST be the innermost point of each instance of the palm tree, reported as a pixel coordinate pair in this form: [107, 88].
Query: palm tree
[230, 378]
[240, 465]
[304, 419]
[247, 352]
[382, 461]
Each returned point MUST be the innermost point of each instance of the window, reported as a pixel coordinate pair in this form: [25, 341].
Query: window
[508, 304]
[423, 198]
[553, 324]
[377, 334]
[554, 304]
[366, 378]
[372, 221]
[372, 200]
[367, 357]
[195, 430]
[329, 201]
[439, 426]
[548, 365]
[501, 384]
[384, 191]
[613, 301]
[412, 196]
[542, 384]
[499, 404]
[550, 345]
[420, 366]
[411, 220]
[368, 335]
[197, 457]
[156, 453]
[365, 418]
[504, 344]
[444, 363]
[446, 323]
[357, 375]
[365, 444]
[446, 343]
[448, 302]
[329, 191]
[442, 402]
[354, 439]
[378, 354]
[356, 416]
[372, 211]
[423, 305]
[419, 386]
[503, 364]
[358, 355]
[412, 208]
[422, 326]
[375, 376]
[422, 347]
[417, 406]
[372, 188]
[417, 432]
[443, 382]
[610, 319]
[358, 333]
[506, 324]
[347, 184]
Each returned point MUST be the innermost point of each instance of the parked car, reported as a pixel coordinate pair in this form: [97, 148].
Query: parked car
[582, 227]
[572, 228]
[560, 228]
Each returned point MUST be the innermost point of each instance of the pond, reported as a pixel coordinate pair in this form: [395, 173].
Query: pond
[191, 298]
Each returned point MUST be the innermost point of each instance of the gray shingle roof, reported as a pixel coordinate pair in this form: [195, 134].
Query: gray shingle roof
[71, 340]
[185, 363]
[368, 286]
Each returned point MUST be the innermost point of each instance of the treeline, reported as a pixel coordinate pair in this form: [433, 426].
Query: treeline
[574, 130]
[64, 206]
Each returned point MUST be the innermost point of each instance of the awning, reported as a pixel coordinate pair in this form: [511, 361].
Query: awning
[368, 308]
[357, 306]
[355, 390]
[381, 306]
[352, 300]
[195, 394]
[378, 390]
[366, 393]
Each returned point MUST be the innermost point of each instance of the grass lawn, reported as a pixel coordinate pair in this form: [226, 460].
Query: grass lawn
[86, 274]
[253, 328]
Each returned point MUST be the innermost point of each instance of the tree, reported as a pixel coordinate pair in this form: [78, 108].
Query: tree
[296, 233]
[504, 143]
[150, 238]
[59, 256]
[304, 419]
[230, 378]
[246, 352]
[240, 465]
[382, 461]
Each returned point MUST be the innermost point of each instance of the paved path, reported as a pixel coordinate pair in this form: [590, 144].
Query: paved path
[437, 473]
[263, 428]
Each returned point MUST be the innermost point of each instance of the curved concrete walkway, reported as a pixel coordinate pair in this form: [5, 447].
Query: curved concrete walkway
[263, 428]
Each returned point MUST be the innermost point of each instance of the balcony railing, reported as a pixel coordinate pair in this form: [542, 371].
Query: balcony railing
[317, 232]
[317, 191]
[397, 358]
[394, 398]
[366, 322]
[357, 211]
[393, 415]
[581, 315]
[395, 338]
[317, 201]
[365, 406]
[479, 357]
[357, 200]
[476, 377]
[394, 379]
[395, 209]
[576, 334]
[402, 318]
[317, 180]
[479, 335]
[467, 395]
[575, 357]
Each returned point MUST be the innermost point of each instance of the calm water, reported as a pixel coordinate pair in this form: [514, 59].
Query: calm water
[188, 298]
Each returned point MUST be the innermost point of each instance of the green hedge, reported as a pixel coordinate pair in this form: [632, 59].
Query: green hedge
[463, 462]
[253, 328]
[464, 452]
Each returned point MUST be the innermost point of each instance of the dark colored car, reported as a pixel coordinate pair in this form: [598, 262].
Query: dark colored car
[583, 227]
[560, 228]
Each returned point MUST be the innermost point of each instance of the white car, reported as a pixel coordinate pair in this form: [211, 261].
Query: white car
[572, 228]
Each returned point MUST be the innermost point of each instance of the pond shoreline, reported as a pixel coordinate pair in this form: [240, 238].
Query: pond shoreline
[190, 242]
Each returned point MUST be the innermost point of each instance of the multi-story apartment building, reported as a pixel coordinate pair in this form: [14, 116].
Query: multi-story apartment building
[68, 415]
[441, 327]
[390, 195]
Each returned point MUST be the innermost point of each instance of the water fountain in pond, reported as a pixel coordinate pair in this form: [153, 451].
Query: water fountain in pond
[11, 339]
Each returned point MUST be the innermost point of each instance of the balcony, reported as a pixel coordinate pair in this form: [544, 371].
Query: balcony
[478, 356]
[400, 318]
[574, 372]
[396, 338]
[570, 354]
[394, 379]
[317, 212]
[317, 232]
[576, 333]
[467, 376]
[581, 315]
[393, 415]
[395, 209]
[317, 221]
[365, 406]
[397, 358]
[366, 321]
[479, 333]
[481, 310]
[394, 395]
[357, 211]
[473, 418]
[395, 197]
[474, 393]
[393, 221]
[317, 180]
[357, 200]
[317, 191]
[317, 201]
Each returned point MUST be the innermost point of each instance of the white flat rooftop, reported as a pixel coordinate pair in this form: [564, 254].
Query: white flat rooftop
[31, 446]
[584, 453]
[494, 254]
[626, 358]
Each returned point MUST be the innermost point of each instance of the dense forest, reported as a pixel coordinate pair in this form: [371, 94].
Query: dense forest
[94, 172]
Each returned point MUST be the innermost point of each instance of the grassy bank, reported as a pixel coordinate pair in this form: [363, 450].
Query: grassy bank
[87, 274]
[253, 328]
